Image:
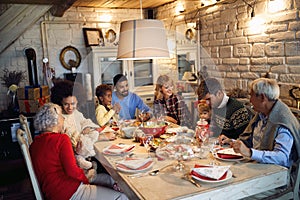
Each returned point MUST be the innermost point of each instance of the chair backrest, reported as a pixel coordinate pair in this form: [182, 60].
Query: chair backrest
[296, 180]
[25, 127]
[26, 154]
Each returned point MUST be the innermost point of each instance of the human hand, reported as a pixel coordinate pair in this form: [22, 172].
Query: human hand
[116, 107]
[78, 147]
[224, 140]
[239, 147]
[144, 116]
[86, 130]
[170, 119]
[107, 136]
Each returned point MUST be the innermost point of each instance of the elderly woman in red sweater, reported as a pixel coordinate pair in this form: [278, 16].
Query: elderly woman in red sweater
[55, 165]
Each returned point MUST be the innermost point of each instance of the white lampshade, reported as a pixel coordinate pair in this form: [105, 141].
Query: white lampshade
[142, 39]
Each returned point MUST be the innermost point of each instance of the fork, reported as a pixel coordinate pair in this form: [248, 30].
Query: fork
[189, 178]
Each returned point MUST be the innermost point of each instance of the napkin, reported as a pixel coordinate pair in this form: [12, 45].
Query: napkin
[229, 153]
[134, 163]
[118, 149]
[210, 172]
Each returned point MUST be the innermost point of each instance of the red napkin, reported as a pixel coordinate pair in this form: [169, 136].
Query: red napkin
[228, 156]
[204, 177]
[114, 146]
[118, 149]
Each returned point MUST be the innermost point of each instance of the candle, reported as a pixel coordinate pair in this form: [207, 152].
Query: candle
[88, 85]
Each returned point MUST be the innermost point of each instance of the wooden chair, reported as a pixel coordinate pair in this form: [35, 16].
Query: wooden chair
[26, 154]
[25, 127]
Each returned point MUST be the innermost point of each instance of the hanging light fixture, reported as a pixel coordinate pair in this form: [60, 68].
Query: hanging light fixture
[142, 39]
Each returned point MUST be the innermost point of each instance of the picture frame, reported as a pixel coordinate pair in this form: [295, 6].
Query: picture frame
[93, 37]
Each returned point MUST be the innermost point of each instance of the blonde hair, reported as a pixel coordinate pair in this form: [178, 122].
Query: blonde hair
[202, 107]
[161, 81]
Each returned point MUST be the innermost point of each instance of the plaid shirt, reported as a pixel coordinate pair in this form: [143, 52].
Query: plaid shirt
[173, 107]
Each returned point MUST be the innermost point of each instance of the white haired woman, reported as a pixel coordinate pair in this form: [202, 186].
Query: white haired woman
[55, 165]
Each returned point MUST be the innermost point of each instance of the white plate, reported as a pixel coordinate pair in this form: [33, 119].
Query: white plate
[121, 169]
[228, 176]
[227, 159]
[117, 154]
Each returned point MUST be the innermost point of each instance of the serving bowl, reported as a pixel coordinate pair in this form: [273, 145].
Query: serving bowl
[153, 128]
[129, 131]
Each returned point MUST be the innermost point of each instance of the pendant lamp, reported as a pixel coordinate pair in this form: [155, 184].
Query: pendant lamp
[142, 39]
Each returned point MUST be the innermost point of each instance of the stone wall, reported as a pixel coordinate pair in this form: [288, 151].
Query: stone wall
[49, 35]
[242, 48]
[234, 51]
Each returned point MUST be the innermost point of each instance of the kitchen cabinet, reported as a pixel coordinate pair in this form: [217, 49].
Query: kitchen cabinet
[141, 74]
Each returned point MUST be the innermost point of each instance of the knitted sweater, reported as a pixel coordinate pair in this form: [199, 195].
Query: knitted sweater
[280, 115]
[231, 120]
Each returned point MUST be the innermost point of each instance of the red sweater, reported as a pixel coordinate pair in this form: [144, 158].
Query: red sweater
[55, 166]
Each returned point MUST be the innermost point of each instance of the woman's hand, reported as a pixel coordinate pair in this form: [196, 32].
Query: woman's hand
[78, 147]
[86, 130]
[170, 119]
[107, 136]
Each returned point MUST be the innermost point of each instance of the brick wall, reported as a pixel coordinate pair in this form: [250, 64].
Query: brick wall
[237, 50]
[234, 51]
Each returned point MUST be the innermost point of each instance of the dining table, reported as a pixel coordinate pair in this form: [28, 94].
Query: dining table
[248, 177]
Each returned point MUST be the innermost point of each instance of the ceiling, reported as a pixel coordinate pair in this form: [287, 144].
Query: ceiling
[60, 6]
[95, 3]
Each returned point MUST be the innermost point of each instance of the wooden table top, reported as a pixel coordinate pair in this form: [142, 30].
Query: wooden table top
[250, 178]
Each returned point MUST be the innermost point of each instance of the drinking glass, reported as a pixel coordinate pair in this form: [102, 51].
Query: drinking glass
[147, 139]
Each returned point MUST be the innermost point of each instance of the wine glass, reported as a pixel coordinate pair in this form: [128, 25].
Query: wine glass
[142, 116]
[147, 139]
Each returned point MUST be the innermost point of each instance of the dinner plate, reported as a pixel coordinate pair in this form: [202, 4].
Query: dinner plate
[204, 180]
[228, 155]
[144, 168]
[118, 154]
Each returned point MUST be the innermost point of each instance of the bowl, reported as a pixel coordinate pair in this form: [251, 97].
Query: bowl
[128, 131]
[155, 131]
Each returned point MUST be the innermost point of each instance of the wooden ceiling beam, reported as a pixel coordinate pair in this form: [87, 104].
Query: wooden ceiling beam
[60, 9]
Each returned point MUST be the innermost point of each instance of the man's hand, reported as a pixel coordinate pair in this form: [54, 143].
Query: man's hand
[224, 140]
[240, 147]
[144, 117]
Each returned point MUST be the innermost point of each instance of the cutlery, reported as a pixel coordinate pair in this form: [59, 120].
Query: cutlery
[152, 173]
[155, 172]
[189, 178]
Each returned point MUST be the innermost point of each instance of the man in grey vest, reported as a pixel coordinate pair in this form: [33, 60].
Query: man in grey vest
[273, 134]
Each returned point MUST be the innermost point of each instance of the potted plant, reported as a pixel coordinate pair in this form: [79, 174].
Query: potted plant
[12, 79]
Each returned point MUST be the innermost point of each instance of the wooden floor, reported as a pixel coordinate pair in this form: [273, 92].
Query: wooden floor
[15, 182]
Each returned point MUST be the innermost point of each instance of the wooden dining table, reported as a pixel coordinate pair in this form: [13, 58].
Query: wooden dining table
[249, 177]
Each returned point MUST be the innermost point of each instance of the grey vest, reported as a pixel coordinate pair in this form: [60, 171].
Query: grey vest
[280, 115]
